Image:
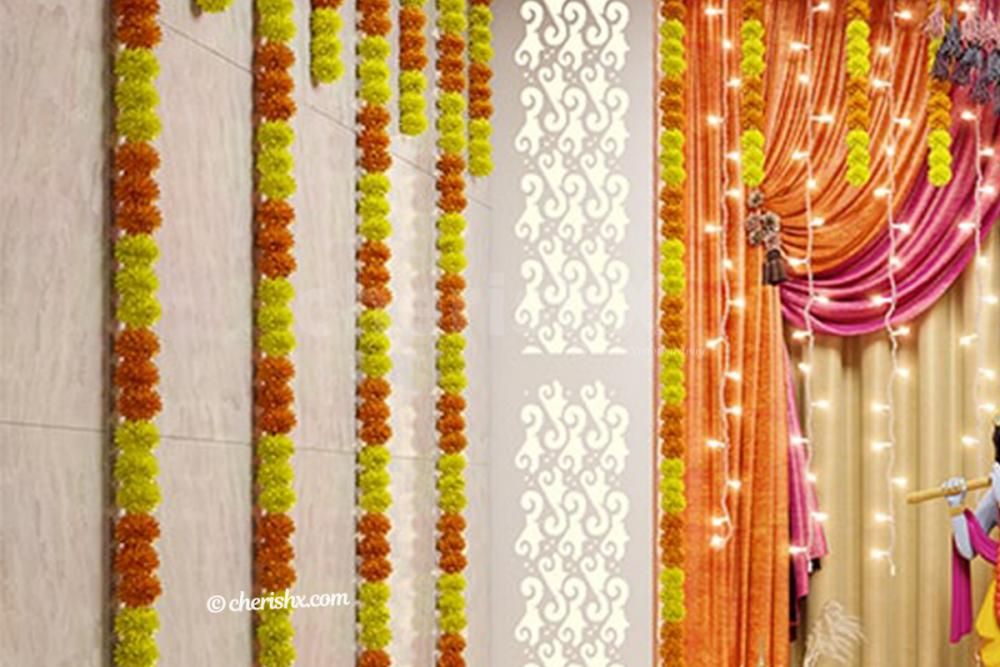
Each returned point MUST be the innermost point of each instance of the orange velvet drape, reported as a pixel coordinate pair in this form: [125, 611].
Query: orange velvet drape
[853, 215]
[738, 597]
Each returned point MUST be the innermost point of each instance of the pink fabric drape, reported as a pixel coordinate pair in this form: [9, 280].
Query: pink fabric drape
[932, 255]
[802, 502]
[961, 580]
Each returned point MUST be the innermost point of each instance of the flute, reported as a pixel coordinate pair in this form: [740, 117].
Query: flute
[930, 494]
[971, 485]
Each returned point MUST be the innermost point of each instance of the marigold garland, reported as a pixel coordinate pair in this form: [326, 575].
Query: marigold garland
[213, 6]
[480, 92]
[939, 157]
[412, 62]
[858, 104]
[136, 376]
[451, 378]
[673, 176]
[752, 95]
[325, 46]
[274, 397]
[374, 362]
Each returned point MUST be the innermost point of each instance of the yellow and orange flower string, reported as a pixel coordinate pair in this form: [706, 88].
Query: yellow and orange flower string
[451, 378]
[673, 176]
[412, 62]
[325, 46]
[480, 91]
[939, 170]
[273, 394]
[374, 362]
[752, 93]
[213, 6]
[858, 103]
[136, 216]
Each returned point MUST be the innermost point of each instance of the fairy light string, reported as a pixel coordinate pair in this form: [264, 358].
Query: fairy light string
[722, 524]
[137, 216]
[808, 335]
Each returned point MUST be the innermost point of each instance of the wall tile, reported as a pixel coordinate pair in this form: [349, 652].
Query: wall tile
[414, 557]
[52, 238]
[205, 264]
[52, 546]
[228, 34]
[324, 555]
[413, 311]
[324, 283]
[205, 550]
[478, 574]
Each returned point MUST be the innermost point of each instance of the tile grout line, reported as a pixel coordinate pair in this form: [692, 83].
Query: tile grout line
[312, 107]
[201, 440]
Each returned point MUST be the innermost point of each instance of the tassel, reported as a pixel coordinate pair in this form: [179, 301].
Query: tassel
[987, 79]
[970, 60]
[775, 272]
[996, 101]
[948, 51]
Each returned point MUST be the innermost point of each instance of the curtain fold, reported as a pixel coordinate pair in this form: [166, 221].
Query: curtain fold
[854, 216]
[905, 618]
[933, 254]
[737, 596]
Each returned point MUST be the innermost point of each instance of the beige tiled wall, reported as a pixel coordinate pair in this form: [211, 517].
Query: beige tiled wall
[54, 275]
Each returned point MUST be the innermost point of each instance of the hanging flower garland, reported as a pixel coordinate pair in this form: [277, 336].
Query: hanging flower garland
[137, 216]
[480, 92]
[673, 175]
[325, 23]
[858, 69]
[939, 102]
[412, 61]
[451, 379]
[273, 395]
[213, 6]
[374, 362]
[752, 98]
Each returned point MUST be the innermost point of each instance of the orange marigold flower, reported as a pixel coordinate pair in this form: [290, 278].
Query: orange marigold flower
[137, 344]
[138, 589]
[137, 528]
[373, 546]
[275, 213]
[374, 658]
[277, 420]
[139, 403]
[452, 443]
[375, 569]
[375, 434]
[374, 388]
[136, 373]
[374, 524]
[376, 297]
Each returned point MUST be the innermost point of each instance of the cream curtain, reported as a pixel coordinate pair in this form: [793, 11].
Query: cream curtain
[905, 618]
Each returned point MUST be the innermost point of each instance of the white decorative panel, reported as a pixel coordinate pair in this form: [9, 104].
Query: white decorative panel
[572, 347]
[573, 538]
[571, 139]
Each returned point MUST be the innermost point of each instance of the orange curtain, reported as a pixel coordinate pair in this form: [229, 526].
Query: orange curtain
[853, 215]
[737, 596]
